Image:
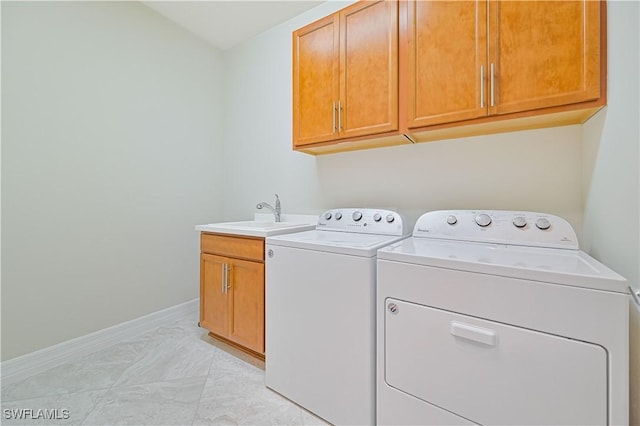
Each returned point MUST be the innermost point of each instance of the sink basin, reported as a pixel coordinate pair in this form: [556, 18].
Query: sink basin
[255, 228]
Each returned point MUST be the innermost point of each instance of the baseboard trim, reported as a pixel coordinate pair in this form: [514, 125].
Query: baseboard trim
[21, 367]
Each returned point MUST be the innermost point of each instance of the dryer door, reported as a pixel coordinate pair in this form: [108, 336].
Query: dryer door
[492, 373]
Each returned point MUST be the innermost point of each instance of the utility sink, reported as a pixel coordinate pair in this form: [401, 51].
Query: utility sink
[256, 228]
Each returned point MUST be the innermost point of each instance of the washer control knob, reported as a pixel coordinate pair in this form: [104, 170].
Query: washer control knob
[543, 223]
[338, 215]
[483, 220]
[377, 217]
[519, 221]
[390, 218]
[327, 215]
[357, 215]
[452, 220]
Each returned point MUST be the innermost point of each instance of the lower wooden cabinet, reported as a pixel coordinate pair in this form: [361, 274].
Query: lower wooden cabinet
[232, 290]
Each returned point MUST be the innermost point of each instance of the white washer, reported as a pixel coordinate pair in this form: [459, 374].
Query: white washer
[498, 318]
[320, 312]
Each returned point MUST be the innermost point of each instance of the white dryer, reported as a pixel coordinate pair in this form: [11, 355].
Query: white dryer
[498, 318]
[320, 312]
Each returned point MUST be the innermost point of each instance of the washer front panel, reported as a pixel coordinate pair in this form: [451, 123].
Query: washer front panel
[591, 316]
[491, 373]
[320, 332]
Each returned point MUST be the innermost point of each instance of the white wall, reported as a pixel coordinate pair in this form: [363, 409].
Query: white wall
[611, 162]
[534, 170]
[110, 154]
[611, 186]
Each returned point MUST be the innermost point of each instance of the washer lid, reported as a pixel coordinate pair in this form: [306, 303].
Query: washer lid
[551, 265]
[364, 245]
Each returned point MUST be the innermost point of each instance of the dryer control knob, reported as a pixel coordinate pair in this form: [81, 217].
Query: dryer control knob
[543, 223]
[327, 215]
[377, 217]
[357, 215]
[452, 220]
[519, 221]
[483, 220]
[338, 215]
[390, 218]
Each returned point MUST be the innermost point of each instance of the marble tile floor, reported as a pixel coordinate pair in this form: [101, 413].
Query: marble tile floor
[174, 375]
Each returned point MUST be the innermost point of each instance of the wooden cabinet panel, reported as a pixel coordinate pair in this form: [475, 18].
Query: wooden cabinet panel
[247, 304]
[420, 70]
[496, 65]
[315, 81]
[368, 69]
[240, 247]
[545, 53]
[232, 292]
[345, 75]
[214, 312]
[447, 51]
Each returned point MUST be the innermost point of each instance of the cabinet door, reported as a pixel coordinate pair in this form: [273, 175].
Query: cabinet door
[447, 54]
[315, 81]
[544, 53]
[368, 69]
[247, 304]
[214, 312]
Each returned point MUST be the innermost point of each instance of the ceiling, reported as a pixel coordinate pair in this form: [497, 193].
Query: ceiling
[225, 24]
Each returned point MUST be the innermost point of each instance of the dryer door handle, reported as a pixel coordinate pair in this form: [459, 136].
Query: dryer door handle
[472, 332]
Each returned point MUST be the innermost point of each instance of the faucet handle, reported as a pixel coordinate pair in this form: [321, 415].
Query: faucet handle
[277, 201]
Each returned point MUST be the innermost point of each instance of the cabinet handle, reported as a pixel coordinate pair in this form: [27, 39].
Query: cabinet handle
[492, 86]
[481, 86]
[333, 114]
[224, 277]
[339, 116]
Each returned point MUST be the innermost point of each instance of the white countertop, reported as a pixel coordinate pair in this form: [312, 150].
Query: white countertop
[263, 225]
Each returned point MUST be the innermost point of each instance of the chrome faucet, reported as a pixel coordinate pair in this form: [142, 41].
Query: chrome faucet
[276, 212]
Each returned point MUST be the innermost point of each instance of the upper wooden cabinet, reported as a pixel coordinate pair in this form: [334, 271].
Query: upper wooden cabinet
[345, 74]
[447, 54]
[316, 81]
[472, 59]
[543, 54]
[386, 72]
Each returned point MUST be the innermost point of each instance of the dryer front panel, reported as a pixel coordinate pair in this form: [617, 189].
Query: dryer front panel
[492, 373]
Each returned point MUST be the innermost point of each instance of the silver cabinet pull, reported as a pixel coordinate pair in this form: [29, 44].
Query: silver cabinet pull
[339, 116]
[481, 86]
[333, 111]
[224, 277]
[492, 86]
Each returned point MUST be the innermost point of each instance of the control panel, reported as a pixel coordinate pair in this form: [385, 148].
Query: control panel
[501, 227]
[363, 221]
